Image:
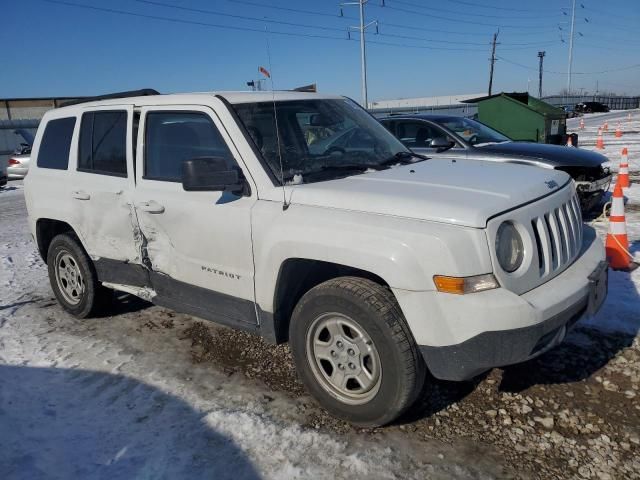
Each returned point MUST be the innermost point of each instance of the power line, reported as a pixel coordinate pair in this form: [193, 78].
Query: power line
[473, 4]
[244, 29]
[475, 14]
[334, 29]
[396, 25]
[457, 20]
[240, 17]
[288, 9]
[188, 22]
[466, 33]
[619, 69]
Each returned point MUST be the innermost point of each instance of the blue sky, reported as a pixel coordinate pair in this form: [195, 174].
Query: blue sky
[439, 48]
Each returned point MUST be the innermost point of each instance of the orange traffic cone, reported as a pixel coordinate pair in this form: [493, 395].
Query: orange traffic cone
[605, 127]
[617, 244]
[599, 141]
[618, 131]
[582, 124]
[623, 171]
[569, 141]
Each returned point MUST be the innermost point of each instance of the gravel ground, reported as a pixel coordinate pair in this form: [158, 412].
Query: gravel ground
[573, 412]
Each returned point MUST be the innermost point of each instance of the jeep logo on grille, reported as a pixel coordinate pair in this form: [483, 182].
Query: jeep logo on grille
[551, 184]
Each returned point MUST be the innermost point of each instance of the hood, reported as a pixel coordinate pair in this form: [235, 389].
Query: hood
[556, 155]
[461, 192]
[26, 135]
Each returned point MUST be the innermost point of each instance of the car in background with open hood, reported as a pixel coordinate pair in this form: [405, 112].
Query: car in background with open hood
[452, 136]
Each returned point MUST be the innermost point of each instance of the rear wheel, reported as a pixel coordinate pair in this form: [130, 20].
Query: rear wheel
[354, 351]
[73, 278]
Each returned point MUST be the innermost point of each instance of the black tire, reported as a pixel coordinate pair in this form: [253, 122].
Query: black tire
[374, 309]
[93, 298]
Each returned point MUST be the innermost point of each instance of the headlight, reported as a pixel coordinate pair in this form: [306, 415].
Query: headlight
[509, 247]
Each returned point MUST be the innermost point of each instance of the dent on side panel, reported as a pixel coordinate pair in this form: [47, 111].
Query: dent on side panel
[109, 227]
[157, 251]
[139, 239]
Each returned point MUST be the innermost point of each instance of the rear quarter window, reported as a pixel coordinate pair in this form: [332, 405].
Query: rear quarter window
[56, 143]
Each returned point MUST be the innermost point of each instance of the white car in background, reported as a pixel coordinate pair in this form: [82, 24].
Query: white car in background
[18, 163]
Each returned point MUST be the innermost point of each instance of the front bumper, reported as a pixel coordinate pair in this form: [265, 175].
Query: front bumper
[465, 335]
[497, 349]
[591, 193]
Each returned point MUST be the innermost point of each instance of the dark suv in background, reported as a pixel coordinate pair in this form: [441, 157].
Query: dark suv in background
[590, 107]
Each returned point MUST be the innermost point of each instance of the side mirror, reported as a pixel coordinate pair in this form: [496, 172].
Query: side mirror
[318, 120]
[440, 142]
[211, 174]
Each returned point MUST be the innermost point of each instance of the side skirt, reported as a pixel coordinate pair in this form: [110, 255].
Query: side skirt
[181, 297]
[200, 302]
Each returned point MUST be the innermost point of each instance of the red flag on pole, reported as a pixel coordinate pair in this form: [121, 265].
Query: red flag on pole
[264, 71]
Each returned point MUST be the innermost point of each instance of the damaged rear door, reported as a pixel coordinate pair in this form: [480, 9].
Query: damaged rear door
[196, 245]
[102, 195]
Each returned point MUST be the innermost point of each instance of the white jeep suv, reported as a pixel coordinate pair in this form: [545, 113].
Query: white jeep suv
[299, 217]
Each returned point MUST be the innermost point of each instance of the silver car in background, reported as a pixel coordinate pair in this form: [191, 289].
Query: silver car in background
[18, 163]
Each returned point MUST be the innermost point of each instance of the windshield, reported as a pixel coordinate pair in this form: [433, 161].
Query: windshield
[319, 139]
[473, 132]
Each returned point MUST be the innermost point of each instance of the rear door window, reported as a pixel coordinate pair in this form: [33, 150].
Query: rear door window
[416, 134]
[103, 143]
[56, 144]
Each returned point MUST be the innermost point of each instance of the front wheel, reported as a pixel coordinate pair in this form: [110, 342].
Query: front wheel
[354, 352]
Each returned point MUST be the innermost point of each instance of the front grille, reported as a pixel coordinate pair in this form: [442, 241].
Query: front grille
[558, 236]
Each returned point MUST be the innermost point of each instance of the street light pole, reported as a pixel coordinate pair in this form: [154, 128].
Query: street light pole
[492, 60]
[573, 22]
[541, 57]
[362, 28]
[363, 56]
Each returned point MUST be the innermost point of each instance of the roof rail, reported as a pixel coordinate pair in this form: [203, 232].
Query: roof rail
[131, 93]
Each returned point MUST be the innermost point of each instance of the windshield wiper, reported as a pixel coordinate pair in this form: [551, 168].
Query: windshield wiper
[359, 167]
[403, 158]
[347, 167]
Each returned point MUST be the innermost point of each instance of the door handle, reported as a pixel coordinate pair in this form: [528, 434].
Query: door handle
[80, 195]
[151, 207]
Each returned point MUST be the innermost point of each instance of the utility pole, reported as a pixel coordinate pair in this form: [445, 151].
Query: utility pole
[493, 59]
[573, 22]
[541, 57]
[363, 48]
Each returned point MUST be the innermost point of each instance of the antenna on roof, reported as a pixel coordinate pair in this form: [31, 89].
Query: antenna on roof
[267, 74]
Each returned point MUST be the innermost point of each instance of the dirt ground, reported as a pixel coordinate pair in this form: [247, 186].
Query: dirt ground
[573, 412]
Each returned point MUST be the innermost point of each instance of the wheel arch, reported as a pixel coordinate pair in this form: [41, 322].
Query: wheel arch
[296, 277]
[46, 231]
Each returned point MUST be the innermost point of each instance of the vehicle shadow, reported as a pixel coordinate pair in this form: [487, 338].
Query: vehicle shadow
[436, 396]
[590, 346]
[122, 303]
[79, 424]
[7, 189]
